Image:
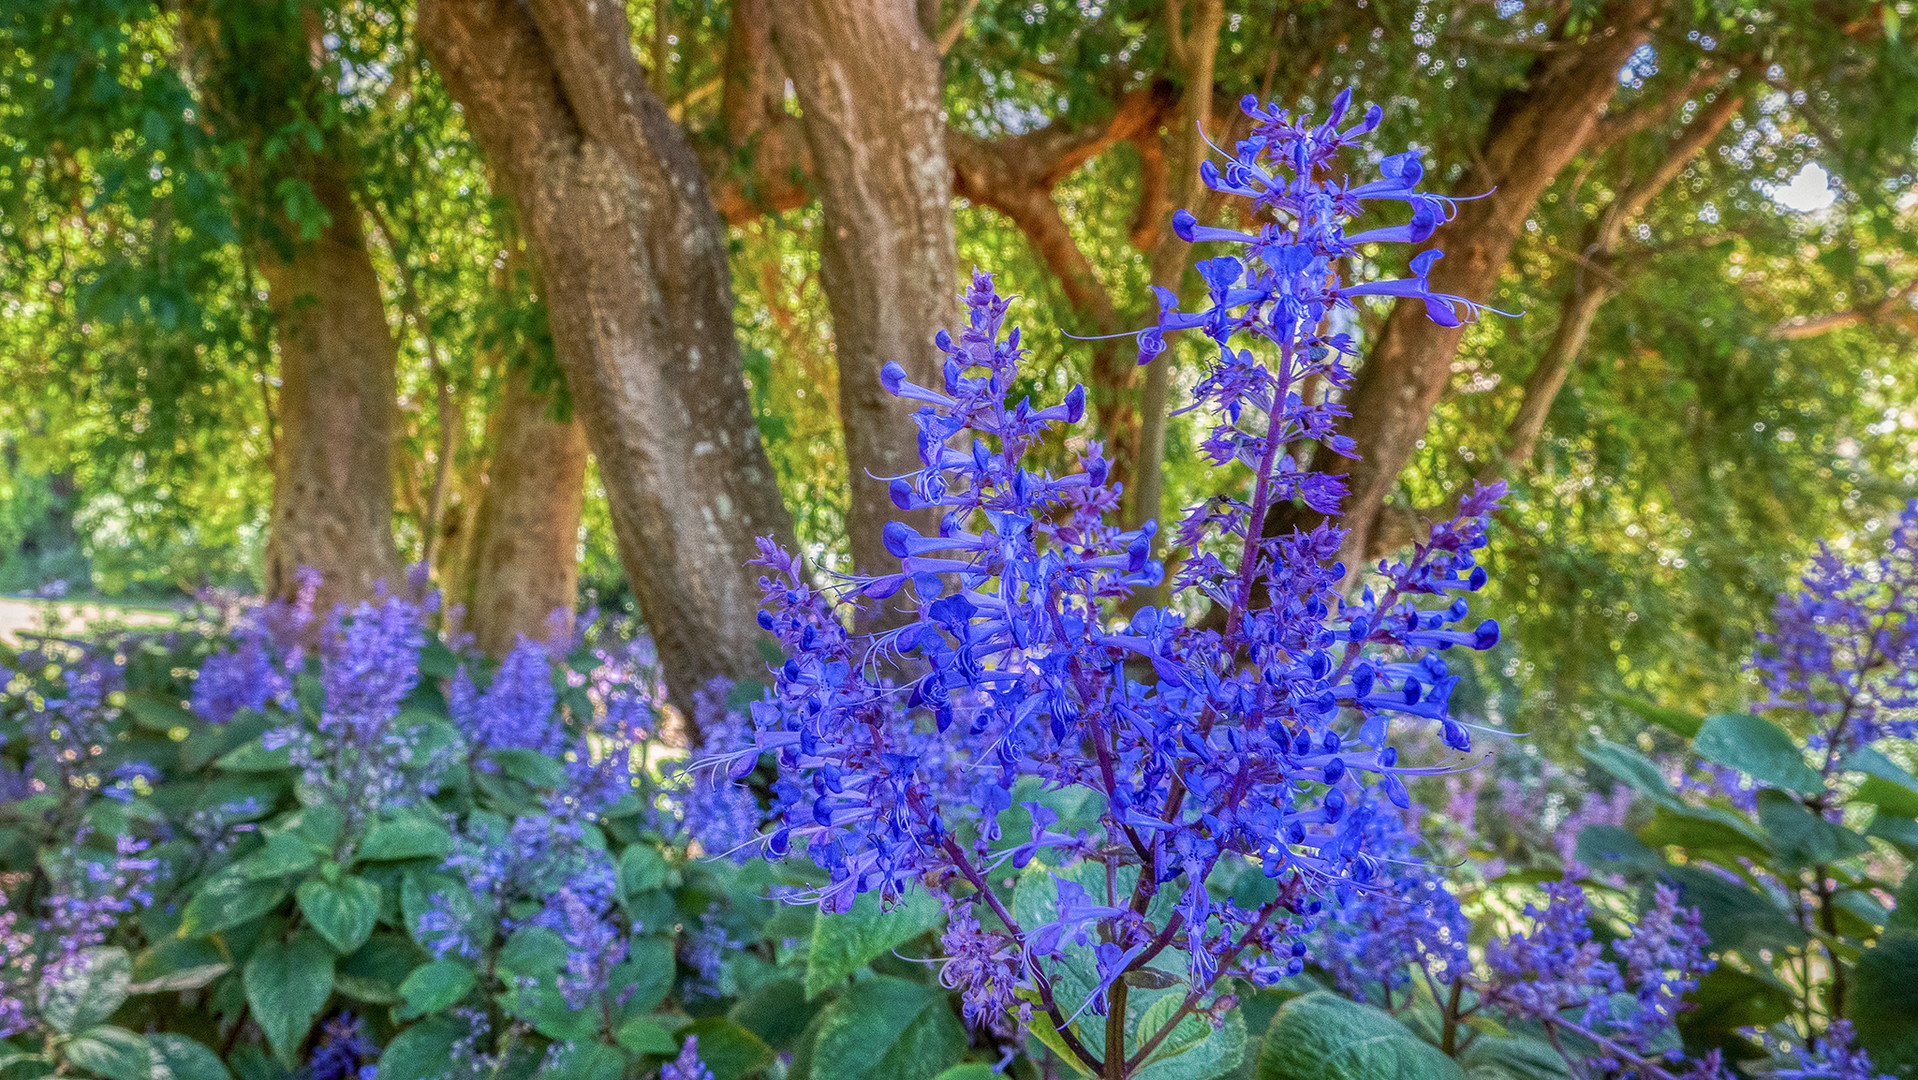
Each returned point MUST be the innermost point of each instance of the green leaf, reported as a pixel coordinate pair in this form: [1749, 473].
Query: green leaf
[185, 979]
[971, 1070]
[1803, 837]
[842, 944]
[87, 990]
[729, 1050]
[1872, 763]
[227, 900]
[533, 950]
[1758, 748]
[1676, 721]
[642, 867]
[778, 1012]
[583, 1060]
[285, 853]
[646, 1035]
[176, 1057]
[884, 1027]
[1610, 849]
[1512, 1057]
[1899, 832]
[1727, 999]
[154, 714]
[421, 1051]
[254, 757]
[1904, 905]
[343, 911]
[361, 988]
[1888, 795]
[1735, 916]
[530, 767]
[1703, 828]
[1629, 766]
[1883, 1007]
[1194, 1050]
[1325, 1037]
[375, 971]
[1043, 1030]
[1190, 1032]
[115, 1053]
[437, 661]
[322, 824]
[287, 984]
[644, 979]
[433, 987]
[172, 964]
[406, 838]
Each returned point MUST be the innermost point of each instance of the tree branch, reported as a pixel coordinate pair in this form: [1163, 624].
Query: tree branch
[1896, 308]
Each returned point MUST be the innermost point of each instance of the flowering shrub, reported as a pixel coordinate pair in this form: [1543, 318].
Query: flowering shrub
[340, 848]
[1764, 855]
[1145, 756]
[1030, 826]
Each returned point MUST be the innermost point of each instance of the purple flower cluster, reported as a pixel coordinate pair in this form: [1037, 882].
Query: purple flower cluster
[1260, 743]
[17, 972]
[594, 944]
[1626, 1005]
[541, 870]
[703, 950]
[267, 651]
[64, 704]
[519, 709]
[1408, 919]
[343, 1052]
[1556, 965]
[92, 893]
[687, 1065]
[1844, 648]
[1834, 1058]
[358, 756]
[718, 812]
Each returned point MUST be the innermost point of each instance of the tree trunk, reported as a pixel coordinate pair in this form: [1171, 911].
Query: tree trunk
[1535, 132]
[632, 255]
[338, 412]
[526, 562]
[868, 83]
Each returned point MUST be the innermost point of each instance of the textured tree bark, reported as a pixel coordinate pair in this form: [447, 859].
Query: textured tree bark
[526, 558]
[338, 411]
[1535, 132]
[632, 257]
[867, 78]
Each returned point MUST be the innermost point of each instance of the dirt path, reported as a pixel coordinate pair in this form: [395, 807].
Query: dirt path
[18, 615]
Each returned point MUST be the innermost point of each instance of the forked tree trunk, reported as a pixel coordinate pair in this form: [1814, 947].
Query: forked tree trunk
[868, 83]
[632, 257]
[1535, 132]
[526, 557]
[338, 411]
